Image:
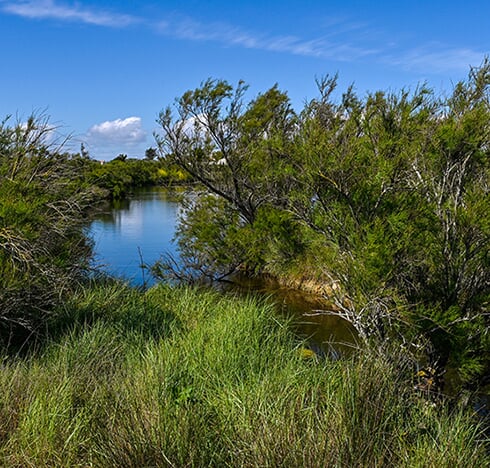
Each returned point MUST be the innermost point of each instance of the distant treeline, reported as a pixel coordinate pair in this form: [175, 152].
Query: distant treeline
[119, 176]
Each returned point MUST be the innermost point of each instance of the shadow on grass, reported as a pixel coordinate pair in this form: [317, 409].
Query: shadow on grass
[129, 310]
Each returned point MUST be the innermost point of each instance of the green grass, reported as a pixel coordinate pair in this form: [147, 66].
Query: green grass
[183, 377]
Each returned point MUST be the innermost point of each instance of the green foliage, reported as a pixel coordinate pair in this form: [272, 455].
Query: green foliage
[151, 153]
[401, 187]
[231, 148]
[207, 237]
[384, 197]
[120, 175]
[43, 251]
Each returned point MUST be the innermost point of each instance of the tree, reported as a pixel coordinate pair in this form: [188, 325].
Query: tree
[400, 193]
[151, 154]
[383, 198]
[240, 154]
[84, 154]
[227, 147]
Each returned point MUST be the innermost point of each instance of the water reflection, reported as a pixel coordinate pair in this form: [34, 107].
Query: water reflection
[139, 228]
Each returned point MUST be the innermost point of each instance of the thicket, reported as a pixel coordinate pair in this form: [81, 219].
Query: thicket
[383, 198]
[44, 253]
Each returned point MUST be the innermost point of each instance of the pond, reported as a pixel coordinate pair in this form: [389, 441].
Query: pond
[141, 229]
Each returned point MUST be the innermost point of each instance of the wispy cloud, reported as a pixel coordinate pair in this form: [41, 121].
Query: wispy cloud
[227, 35]
[49, 9]
[340, 40]
[436, 57]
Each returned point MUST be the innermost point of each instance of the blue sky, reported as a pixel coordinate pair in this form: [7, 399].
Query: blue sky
[102, 70]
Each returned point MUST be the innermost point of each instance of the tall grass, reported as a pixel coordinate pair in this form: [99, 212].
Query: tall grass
[181, 377]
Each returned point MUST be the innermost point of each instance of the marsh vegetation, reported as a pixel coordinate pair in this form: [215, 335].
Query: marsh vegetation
[383, 201]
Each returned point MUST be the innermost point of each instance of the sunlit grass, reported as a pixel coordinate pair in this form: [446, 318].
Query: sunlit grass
[181, 377]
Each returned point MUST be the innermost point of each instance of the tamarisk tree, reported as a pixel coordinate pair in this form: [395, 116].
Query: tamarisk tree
[400, 191]
[383, 198]
[241, 155]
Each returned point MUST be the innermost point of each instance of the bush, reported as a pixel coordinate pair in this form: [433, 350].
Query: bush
[43, 250]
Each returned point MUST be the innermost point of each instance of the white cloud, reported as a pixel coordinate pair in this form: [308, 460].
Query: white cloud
[50, 9]
[112, 137]
[126, 131]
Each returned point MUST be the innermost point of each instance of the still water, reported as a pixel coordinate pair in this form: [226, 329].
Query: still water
[142, 228]
[138, 229]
